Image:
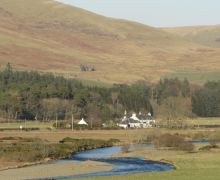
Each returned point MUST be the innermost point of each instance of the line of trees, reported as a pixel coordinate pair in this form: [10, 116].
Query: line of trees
[34, 96]
[206, 100]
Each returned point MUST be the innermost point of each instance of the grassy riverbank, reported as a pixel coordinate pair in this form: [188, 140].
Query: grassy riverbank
[19, 151]
[199, 165]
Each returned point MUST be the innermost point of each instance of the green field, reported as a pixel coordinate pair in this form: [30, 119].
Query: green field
[204, 121]
[27, 124]
[195, 76]
[92, 83]
[199, 165]
[189, 166]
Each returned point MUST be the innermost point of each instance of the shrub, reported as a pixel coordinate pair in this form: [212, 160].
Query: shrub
[186, 146]
[175, 141]
[208, 147]
[168, 140]
[87, 67]
[10, 138]
[68, 125]
[214, 138]
[149, 137]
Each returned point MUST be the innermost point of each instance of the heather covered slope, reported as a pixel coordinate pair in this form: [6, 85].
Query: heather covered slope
[205, 35]
[48, 36]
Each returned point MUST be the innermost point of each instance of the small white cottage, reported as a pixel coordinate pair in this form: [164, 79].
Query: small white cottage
[82, 122]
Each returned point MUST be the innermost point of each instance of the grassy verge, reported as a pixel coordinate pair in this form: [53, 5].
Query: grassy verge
[29, 150]
[27, 124]
[203, 121]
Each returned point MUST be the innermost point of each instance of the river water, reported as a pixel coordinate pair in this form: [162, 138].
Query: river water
[121, 165]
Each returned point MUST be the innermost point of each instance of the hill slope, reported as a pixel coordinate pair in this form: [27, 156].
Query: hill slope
[205, 35]
[49, 36]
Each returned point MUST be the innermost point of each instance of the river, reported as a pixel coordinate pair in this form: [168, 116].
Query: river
[121, 165]
[104, 160]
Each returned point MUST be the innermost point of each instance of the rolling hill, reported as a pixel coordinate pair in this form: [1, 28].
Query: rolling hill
[205, 35]
[48, 36]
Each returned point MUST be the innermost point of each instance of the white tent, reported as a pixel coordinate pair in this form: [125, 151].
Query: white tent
[82, 122]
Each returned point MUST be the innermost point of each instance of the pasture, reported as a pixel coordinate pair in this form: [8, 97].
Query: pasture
[197, 165]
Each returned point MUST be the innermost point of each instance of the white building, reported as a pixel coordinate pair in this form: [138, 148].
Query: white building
[82, 122]
[123, 125]
[137, 121]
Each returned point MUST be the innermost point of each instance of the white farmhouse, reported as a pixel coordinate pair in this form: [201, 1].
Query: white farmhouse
[137, 121]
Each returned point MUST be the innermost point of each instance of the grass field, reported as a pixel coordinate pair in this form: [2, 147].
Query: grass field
[47, 131]
[125, 136]
[27, 124]
[92, 83]
[204, 121]
[190, 166]
[200, 165]
[45, 125]
[195, 76]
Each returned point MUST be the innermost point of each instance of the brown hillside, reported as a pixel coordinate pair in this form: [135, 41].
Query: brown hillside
[49, 36]
[205, 35]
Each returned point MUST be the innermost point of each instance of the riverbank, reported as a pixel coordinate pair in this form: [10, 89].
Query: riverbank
[91, 163]
[199, 165]
[185, 162]
[54, 170]
[17, 152]
[182, 160]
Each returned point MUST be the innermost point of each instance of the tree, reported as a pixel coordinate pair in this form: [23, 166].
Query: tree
[185, 88]
[7, 74]
[80, 101]
[136, 97]
[206, 102]
[173, 111]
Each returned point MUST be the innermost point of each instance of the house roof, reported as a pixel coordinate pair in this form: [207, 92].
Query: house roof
[134, 117]
[145, 117]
